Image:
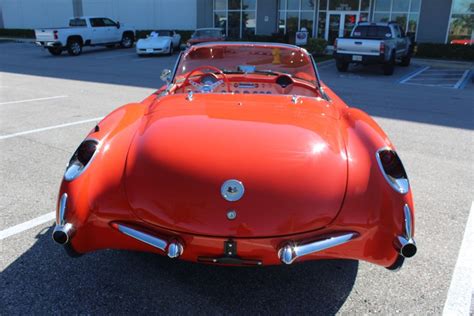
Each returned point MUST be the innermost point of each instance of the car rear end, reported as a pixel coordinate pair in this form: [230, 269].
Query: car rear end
[364, 51]
[48, 38]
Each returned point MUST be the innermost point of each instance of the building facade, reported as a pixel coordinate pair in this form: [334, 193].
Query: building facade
[438, 21]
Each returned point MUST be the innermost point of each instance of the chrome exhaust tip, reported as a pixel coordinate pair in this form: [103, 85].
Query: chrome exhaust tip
[62, 234]
[292, 251]
[175, 249]
[406, 243]
[407, 247]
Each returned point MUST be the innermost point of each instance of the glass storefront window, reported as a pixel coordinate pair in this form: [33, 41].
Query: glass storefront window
[234, 5]
[381, 17]
[220, 4]
[344, 5]
[235, 17]
[249, 4]
[382, 5]
[248, 23]
[306, 21]
[293, 4]
[463, 6]
[401, 6]
[307, 5]
[220, 20]
[365, 5]
[321, 24]
[461, 29]
[281, 22]
[364, 17]
[415, 5]
[401, 19]
[412, 23]
[323, 4]
[291, 22]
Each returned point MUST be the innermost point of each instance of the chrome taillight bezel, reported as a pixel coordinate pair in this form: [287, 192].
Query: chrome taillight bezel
[400, 185]
[75, 168]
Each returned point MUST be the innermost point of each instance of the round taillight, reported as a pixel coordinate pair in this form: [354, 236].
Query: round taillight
[393, 170]
[86, 150]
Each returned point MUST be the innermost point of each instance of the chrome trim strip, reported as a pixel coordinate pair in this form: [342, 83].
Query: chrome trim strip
[291, 251]
[405, 243]
[61, 219]
[147, 239]
[402, 186]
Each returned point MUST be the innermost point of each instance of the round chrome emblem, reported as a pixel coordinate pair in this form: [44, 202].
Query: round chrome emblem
[232, 190]
[231, 215]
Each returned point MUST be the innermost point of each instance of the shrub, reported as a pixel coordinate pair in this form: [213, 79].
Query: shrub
[20, 33]
[316, 46]
[445, 51]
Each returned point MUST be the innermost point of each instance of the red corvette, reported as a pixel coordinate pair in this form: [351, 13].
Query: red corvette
[244, 157]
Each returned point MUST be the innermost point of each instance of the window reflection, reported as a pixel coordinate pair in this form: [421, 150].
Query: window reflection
[461, 25]
[235, 17]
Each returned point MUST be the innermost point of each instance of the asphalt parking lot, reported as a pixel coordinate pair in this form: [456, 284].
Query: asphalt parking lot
[47, 106]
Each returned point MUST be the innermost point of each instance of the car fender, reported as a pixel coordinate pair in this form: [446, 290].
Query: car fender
[98, 193]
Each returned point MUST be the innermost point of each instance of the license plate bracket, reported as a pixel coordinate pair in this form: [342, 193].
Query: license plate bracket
[356, 57]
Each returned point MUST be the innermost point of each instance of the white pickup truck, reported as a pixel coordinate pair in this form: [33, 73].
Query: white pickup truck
[85, 31]
[374, 43]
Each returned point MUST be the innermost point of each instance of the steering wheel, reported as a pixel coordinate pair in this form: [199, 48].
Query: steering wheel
[205, 87]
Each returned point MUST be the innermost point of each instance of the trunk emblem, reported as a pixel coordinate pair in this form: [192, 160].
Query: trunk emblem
[231, 215]
[232, 190]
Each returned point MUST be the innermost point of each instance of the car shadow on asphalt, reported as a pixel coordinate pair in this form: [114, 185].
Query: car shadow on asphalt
[45, 279]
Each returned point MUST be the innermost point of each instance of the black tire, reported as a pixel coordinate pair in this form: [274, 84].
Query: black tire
[406, 60]
[171, 50]
[127, 40]
[55, 51]
[74, 47]
[389, 67]
[342, 66]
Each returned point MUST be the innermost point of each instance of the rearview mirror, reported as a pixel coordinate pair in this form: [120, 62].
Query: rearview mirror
[166, 75]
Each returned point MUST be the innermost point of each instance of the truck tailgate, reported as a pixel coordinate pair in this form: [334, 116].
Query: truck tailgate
[358, 46]
[45, 35]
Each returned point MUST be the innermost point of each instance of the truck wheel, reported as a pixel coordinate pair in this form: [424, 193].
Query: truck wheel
[406, 60]
[127, 41]
[389, 67]
[74, 47]
[55, 51]
[342, 66]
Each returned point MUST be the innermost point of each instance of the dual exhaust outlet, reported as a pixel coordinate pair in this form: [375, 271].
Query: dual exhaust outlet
[405, 244]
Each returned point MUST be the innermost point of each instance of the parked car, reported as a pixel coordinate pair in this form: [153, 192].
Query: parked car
[85, 31]
[246, 159]
[374, 43]
[464, 41]
[159, 42]
[206, 35]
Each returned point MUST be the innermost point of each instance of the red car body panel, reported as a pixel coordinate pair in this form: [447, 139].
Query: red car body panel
[309, 170]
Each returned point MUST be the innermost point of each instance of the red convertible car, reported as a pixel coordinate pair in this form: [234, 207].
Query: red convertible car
[244, 157]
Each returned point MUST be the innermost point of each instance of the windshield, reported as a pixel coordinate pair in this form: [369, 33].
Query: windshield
[164, 33]
[207, 33]
[259, 59]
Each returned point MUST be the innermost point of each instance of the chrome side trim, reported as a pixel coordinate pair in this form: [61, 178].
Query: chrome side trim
[291, 251]
[402, 186]
[405, 243]
[61, 219]
[147, 239]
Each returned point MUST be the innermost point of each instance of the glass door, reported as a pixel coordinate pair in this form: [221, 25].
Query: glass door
[340, 24]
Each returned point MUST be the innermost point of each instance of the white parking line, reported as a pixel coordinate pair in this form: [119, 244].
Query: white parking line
[33, 100]
[49, 128]
[414, 74]
[27, 225]
[458, 84]
[459, 297]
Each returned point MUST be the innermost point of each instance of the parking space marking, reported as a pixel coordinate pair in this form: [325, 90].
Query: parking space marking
[33, 100]
[49, 128]
[459, 297]
[27, 225]
[413, 74]
[463, 78]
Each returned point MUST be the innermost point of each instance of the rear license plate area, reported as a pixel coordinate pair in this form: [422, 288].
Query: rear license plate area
[357, 58]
